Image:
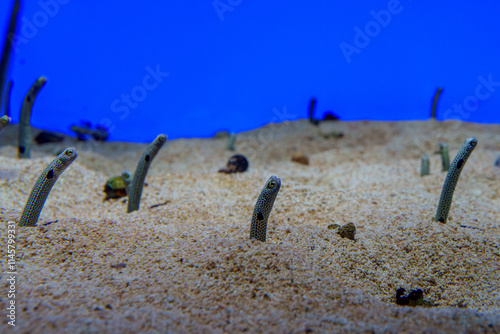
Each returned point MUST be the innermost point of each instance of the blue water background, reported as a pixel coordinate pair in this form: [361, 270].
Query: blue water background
[238, 64]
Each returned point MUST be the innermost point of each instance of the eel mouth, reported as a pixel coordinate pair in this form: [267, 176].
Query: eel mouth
[278, 181]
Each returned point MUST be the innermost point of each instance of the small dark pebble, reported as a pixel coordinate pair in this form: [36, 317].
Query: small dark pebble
[48, 137]
[160, 204]
[108, 306]
[300, 158]
[97, 308]
[333, 226]
[49, 223]
[119, 265]
[497, 163]
[330, 116]
[347, 231]
[237, 164]
[414, 298]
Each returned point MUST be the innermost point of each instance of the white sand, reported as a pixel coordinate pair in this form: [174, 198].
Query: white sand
[190, 265]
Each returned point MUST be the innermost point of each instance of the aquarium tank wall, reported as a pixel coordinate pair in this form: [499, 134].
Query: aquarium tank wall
[189, 69]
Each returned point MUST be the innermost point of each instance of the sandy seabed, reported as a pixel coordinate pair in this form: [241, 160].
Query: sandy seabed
[189, 265]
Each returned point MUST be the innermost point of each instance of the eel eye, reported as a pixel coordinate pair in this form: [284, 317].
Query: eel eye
[69, 152]
[271, 185]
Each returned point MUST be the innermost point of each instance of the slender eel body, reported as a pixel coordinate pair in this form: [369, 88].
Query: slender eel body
[445, 156]
[127, 178]
[312, 106]
[25, 138]
[263, 207]
[425, 165]
[44, 184]
[8, 93]
[9, 42]
[452, 178]
[5, 119]
[135, 187]
[231, 140]
[435, 101]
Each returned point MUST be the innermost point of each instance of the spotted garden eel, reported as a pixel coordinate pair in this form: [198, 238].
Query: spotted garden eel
[134, 188]
[445, 156]
[127, 178]
[44, 184]
[263, 207]
[452, 178]
[8, 93]
[25, 138]
[424, 165]
[435, 101]
[4, 121]
[10, 38]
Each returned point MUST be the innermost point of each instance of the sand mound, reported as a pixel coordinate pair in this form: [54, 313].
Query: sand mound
[188, 264]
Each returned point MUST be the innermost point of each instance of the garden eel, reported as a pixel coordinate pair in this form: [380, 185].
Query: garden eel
[8, 93]
[43, 185]
[231, 140]
[452, 178]
[25, 138]
[312, 106]
[127, 179]
[135, 186]
[424, 165]
[9, 42]
[263, 207]
[445, 156]
[435, 101]
[4, 121]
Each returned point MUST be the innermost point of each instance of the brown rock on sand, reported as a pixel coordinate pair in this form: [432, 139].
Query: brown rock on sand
[300, 157]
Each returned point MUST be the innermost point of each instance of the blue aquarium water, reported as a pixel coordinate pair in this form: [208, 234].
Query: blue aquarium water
[188, 69]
